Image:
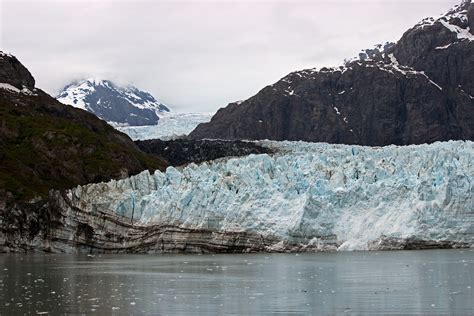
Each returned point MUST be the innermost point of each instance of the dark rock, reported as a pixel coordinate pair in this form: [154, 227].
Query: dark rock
[419, 90]
[14, 73]
[392, 243]
[180, 151]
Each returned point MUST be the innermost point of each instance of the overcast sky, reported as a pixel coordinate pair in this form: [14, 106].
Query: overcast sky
[197, 55]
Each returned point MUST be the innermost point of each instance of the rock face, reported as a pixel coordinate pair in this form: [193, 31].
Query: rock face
[419, 90]
[59, 227]
[14, 73]
[306, 197]
[112, 103]
[180, 151]
[45, 144]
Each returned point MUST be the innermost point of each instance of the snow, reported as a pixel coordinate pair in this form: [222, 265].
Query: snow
[2, 54]
[431, 81]
[443, 47]
[171, 125]
[76, 94]
[308, 191]
[8, 86]
[460, 32]
[11, 88]
[290, 92]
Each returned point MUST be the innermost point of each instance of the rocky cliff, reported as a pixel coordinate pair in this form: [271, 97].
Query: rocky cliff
[14, 73]
[419, 90]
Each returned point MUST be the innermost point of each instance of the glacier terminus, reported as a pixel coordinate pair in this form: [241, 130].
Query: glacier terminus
[306, 197]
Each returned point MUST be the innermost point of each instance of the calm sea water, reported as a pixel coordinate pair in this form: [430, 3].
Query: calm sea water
[345, 283]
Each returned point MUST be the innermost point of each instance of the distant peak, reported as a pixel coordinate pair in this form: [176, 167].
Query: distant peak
[124, 104]
[95, 81]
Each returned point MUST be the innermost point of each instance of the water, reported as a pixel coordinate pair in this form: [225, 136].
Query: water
[399, 282]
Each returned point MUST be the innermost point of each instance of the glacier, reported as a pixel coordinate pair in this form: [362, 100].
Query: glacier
[318, 195]
[170, 126]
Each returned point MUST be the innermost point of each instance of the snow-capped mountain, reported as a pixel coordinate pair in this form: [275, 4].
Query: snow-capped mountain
[125, 105]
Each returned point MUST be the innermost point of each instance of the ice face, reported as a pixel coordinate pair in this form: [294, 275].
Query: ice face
[307, 191]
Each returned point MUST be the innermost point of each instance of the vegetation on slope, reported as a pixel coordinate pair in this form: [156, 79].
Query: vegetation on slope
[48, 145]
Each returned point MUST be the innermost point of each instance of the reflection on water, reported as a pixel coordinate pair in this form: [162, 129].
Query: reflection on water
[423, 282]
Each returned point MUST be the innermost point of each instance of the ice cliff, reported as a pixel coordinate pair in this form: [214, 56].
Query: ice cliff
[314, 195]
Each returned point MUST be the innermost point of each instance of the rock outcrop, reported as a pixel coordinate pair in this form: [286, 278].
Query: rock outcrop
[181, 151]
[14, 73]
[419, 90]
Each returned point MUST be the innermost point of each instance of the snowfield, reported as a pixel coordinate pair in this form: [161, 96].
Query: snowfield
[171, 125]
[308, 192]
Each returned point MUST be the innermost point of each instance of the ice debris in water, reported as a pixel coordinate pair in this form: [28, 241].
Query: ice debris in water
[307, 190]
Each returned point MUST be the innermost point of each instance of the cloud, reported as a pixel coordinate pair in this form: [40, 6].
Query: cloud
[196, 55]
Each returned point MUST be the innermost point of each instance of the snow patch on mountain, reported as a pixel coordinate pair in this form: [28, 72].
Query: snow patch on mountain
[461, 33]
[14, 89]
[8, 86]
[307, 193]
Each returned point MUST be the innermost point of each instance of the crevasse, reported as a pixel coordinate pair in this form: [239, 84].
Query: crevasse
[306, 191]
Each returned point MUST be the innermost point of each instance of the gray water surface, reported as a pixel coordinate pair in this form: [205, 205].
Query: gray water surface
[346, 283]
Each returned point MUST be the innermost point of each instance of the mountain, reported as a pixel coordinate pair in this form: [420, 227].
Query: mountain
[46, 145]
[418, 90]
[112, 103]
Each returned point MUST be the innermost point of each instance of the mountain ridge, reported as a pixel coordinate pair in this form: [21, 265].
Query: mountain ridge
[419, 90]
